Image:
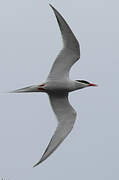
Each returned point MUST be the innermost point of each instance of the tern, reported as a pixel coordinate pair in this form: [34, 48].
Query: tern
[58, 85]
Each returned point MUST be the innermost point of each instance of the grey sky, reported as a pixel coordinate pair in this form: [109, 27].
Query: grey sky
[29, 43]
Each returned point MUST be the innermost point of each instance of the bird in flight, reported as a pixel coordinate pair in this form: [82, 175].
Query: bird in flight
[58, 85]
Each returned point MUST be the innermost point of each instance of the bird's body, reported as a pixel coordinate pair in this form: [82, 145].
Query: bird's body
[61, 86]
[58, 85]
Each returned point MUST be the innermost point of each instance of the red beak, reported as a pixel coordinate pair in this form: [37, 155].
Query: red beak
[93, 84]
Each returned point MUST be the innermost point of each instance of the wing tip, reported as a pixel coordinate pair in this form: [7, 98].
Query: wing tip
[51, 6]
[56, 12]
[37, 163]
[41, 160]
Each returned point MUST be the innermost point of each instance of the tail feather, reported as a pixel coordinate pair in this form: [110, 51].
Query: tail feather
[26, 90]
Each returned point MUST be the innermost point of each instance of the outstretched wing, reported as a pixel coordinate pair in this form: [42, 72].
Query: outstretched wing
[66, 116]
[68, 55]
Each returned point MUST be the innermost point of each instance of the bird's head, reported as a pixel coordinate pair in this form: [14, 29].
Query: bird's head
[84, 83]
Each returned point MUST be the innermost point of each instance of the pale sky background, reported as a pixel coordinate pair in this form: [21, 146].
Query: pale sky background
[29, 42]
